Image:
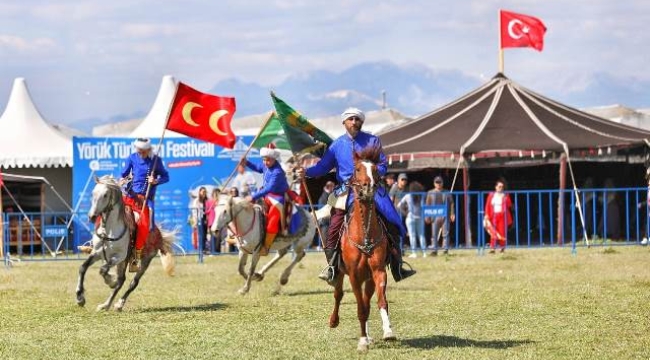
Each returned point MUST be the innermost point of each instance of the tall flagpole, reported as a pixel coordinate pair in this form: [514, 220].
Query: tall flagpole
[162, 137]
[501, 62]
[232, 174]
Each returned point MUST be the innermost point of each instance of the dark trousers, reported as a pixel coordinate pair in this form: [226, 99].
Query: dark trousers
[337, 217]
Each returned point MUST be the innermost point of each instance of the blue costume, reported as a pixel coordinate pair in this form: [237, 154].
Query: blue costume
[275, 180]
[339, 155]
[140, 168]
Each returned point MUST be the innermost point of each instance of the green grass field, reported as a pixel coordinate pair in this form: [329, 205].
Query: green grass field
[524, 304]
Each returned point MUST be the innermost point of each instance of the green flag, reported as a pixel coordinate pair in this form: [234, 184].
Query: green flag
[273, 132]
[301, 135]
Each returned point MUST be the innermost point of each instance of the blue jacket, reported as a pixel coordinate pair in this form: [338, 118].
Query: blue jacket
[141, 168]
[339, 155]
[275, 180]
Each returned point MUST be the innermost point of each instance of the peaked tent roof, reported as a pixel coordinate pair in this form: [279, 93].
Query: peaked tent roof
[26, 139]
[154, 123]
[502, 116]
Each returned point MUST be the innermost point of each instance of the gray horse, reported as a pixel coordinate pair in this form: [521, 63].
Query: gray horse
[111, 243]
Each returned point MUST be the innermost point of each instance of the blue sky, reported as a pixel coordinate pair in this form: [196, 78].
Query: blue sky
[87, 59]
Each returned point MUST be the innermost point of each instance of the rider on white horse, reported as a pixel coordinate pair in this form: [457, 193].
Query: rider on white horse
[145, 168]
[273, 189]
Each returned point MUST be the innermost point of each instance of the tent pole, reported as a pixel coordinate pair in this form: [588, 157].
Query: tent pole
[501, 62]
[578, 205]
[560, 201]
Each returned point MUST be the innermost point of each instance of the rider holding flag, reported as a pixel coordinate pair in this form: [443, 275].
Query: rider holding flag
[273, 189]
[147, 172]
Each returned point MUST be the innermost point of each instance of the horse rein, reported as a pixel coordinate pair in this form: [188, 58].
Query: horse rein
[104, 215]
[234, 230]
[367, 245]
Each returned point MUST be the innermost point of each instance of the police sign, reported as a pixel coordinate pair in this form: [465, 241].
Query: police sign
[434, 210]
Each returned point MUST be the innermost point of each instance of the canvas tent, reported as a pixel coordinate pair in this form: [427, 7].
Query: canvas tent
[505, 120]
[30, 146]
[154, 123]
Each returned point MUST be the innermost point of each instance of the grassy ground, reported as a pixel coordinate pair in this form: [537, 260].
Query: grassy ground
[524, 304]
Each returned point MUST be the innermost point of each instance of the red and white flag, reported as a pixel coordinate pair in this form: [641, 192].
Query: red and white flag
[518, 30]
[203, 116]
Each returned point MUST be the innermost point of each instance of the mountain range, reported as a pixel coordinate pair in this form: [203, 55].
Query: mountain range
[411, 89]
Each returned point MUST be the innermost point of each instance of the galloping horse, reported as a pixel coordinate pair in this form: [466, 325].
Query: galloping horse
[111, 243]
[364, 249]
[246, 223]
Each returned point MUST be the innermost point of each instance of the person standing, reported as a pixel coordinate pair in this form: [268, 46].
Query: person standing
[339, 156]
[201, 219]
[146, 172]
[497, 215]
[412, 201]
[210, 206]
[440, 224]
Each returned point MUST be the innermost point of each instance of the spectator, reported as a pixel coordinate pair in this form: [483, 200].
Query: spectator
[645, 205]
[234, 191]
[214, 240]
[412, 202]
[245, 181]
[610, 223]
[440, 224]
[398, 189]
[497, 215]
[390, 181]
[201, 220]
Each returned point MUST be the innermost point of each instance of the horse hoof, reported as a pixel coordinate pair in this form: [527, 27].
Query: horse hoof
[81, 301]
[258, 277]
[101, 307]
[389, 336]
[284, 281]
[363, 345]
[243, 291]
[334, 322]
[119, 305]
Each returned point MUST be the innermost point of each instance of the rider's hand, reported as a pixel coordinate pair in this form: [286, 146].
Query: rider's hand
[123, 181]
[152, 180]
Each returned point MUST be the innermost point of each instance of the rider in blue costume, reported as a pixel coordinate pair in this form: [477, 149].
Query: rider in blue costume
[339, 156]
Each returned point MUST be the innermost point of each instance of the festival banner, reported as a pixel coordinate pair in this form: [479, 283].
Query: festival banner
[191, 164]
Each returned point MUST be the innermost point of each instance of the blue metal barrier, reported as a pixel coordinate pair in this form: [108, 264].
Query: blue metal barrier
[611, 216]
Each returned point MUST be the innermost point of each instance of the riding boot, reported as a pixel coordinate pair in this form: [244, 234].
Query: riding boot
[134, 266]
[396, 265]
[268, 241]
[330, 271]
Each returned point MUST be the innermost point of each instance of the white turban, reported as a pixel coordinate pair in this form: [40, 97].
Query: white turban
[268, 152]
[349, 112]
[142, 144]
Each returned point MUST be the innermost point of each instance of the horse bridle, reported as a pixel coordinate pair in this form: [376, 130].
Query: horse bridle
[369, 194]
[232, 216]
[104, 215]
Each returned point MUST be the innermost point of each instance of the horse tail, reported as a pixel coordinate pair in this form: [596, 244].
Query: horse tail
[166, 251]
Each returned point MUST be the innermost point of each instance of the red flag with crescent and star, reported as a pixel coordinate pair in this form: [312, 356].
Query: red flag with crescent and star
[202, 116]
[518, 30]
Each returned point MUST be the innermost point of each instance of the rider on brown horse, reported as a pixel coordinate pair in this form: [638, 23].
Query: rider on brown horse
[339, 155]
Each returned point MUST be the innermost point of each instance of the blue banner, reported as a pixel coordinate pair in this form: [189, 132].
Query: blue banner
[435, 210]
[191, 164]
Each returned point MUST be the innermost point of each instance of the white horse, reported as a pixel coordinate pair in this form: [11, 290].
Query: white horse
[245, 222]
[111, 243]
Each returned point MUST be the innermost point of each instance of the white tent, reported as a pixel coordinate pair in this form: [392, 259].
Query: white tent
[26, 139]
[153, 124]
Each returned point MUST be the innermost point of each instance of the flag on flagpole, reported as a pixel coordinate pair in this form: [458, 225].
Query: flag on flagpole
[273, 132]
[300, 134]
[518, 30]
[202, 116]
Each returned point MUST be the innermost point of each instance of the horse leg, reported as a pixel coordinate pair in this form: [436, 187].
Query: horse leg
[363, 343]
[243, 257]
[110, 281]
[251, 271]
[146, 261]
[379, 277]
[368, 291]
[81, 299]
[121, 279]
[338, 295]
[259, 276]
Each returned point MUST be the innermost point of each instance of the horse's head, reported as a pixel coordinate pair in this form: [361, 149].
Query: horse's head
[365, 178]
[106, 194]
[223, 211]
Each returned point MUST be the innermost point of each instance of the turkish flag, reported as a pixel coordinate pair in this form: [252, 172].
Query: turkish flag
[202, 116]
[519, 30]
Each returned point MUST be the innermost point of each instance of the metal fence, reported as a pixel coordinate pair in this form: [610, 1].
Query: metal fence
[540, 218]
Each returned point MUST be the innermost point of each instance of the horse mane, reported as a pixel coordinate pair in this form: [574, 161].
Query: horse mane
[114, 186]
[370, 153]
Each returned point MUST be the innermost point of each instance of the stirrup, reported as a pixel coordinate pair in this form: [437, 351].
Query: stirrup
[328, 274]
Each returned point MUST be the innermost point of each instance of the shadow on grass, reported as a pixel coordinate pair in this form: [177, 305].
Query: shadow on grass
[310, 292]
[195, 308]
[453, 341]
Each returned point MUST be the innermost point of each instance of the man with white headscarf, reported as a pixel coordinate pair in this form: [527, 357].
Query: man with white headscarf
[273, 189]
[339, 156]
[146, 170]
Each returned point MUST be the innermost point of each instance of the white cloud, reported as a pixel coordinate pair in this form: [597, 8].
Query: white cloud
[17, 44]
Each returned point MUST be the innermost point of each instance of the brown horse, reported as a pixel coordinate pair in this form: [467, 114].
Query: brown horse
[364, 249]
